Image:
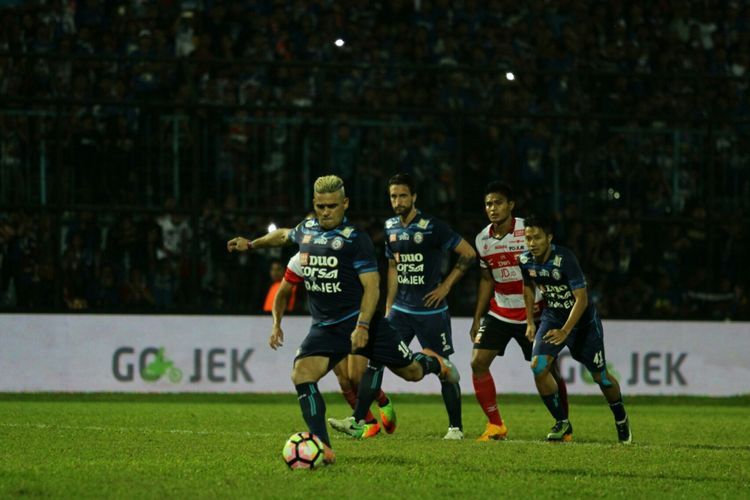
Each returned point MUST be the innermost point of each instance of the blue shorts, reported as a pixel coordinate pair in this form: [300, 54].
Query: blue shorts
[384, 347]
[433, 330]
[585, 342]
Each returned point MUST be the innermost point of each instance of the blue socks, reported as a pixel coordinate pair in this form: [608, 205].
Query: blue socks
[452, 400]
[618, 410]
[369, 387]
[552, 402]
[313, 410]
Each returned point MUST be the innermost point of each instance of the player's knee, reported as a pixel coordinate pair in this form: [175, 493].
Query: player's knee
[479, 366]
[301, 375]
[355, 375]
[603, 378]
[298, 377]
[540, 365]
[412, 373]
[344, 382]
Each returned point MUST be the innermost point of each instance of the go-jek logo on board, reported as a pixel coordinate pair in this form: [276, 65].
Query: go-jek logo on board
[151, 364]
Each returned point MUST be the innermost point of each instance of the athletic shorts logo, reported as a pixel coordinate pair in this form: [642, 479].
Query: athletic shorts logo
[418, 238]
[337, 243]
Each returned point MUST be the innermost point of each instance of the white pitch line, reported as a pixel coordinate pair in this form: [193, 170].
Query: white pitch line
[152, 430]
[507, 442]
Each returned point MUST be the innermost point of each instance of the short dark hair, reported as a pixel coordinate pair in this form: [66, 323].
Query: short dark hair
[499, 187]
[541, 221]
[403, 179]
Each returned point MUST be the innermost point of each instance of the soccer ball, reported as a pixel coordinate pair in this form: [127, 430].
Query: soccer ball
[303, 451]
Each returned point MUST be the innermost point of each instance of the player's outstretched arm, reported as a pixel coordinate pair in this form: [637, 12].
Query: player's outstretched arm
[484, 293]
[276, 238]
[280, 302]
[466, 258]
[371, 284]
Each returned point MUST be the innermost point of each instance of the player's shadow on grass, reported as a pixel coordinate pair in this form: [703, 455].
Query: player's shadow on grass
[571, 471]
[379, 459]
[715, 447]
[681, 446]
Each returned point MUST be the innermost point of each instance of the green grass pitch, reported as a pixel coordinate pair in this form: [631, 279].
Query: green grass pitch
[197, 446]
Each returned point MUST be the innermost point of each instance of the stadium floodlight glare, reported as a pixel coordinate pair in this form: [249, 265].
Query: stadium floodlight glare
[271, 227]
[510, 76]
[339, 42]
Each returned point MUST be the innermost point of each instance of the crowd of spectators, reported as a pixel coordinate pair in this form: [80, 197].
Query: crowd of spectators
[627, 119]
[385, 39]
[501, 69]
[120, 262]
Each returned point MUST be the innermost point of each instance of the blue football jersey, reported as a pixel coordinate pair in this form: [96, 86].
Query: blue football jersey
[419, 250]
[331, 263]
[556, 278]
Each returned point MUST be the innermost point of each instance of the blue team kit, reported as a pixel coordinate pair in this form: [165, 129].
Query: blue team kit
[556, 278]
[419, 250]
[331, 262]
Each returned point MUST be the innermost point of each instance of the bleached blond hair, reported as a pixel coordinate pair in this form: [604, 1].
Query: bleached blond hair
[329, 184]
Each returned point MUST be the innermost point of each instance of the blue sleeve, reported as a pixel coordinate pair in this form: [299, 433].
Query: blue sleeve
[573, 271]
[364, 254]
[388, 251]
[448, 238]
[525, 269]
[525, 274]
[295, 234]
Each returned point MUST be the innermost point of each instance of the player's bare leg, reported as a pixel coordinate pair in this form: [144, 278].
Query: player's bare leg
[610, 387]
[486, 394]
[305, 375]
[548, 390]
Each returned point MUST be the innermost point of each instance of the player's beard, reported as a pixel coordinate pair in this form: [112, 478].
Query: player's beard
[403, 210]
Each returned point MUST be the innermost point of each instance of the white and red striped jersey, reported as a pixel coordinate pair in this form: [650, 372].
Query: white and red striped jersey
[293, 272]
[499, 254]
